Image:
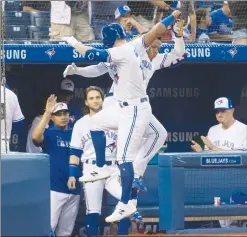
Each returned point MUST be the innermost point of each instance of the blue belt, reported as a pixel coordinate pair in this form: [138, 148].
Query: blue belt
[125, 103]
[108, 163]
[109, 94]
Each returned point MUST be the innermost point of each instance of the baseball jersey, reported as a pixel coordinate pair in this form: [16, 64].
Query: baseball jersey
[81, 140]
[233, 138]
[129, 76]
[13, 111]
[56, 143]
[221, 24]
[30, 147]
[162, 60]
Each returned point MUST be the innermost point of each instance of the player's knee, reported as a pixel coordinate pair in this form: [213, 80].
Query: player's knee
[162, 134]
[92, 224]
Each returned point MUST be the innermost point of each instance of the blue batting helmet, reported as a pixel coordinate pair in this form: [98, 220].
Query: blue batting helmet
[111, 33]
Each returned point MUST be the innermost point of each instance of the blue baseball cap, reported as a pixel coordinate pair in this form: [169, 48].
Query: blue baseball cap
[223, 103]
[122, 10]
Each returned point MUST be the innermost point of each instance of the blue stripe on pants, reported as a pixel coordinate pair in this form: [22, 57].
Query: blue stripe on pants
[155, 140]
[130, 133]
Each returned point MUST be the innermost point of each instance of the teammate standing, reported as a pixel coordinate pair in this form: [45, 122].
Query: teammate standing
[10, 109]
[134, 111]
[82, 149]
[55, 141]
[155, 134]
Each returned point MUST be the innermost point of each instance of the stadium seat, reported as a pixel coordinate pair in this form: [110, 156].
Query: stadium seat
[17, 18]
[38, 33]
[12, 6]
[15, 32]
[40, 18]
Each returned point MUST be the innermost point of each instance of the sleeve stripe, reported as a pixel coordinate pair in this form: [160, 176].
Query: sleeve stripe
[143, 43]
[15, 121]
[105, 64]
[163, 61]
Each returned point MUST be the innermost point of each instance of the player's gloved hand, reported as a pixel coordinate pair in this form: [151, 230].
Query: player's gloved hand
[72, 41]
[70, 70]
[71, 183]
[177, 28]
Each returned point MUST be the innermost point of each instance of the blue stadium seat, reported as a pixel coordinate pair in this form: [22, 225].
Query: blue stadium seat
[15, 32]
[38, 33]
[17, 18]
[40, 19]
[12, 6]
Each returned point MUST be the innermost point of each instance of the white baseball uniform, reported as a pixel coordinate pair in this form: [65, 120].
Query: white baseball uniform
[155, 134]
[233, 138]
[30, 147]
[13, 114]
[81, 140]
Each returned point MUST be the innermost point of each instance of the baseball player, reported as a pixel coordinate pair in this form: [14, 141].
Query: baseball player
[10, 109]
[133, 114]
[82, 149]
[55, 141]
[155, 134]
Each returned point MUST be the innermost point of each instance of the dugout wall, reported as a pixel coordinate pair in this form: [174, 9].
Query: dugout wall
[181, 98]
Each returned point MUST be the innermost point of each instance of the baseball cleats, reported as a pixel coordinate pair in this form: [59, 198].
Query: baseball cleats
[138, 183]
[121, 211]
[137, 218]
[98, 173]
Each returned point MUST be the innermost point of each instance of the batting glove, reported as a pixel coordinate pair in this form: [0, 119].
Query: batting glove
[177, 28]
[72, 41]
[70, 70]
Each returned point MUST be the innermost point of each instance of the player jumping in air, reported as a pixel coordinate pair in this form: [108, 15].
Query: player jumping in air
[155, 134]
[134, 113]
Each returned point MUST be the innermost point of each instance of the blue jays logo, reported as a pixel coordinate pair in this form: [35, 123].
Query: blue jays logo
[50, 52]
[233, 52]
[72, 119]
[112, 147]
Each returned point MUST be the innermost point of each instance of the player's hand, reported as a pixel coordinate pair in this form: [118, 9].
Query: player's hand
[176, 14]
[71, 40]
[196, 147]
[70, 70]
[208, 143]
[71, 183]
[51, 104]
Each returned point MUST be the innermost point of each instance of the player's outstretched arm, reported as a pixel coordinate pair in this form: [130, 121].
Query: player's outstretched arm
[160, 28]
[90, 53]
[38, 132]
[89, 71]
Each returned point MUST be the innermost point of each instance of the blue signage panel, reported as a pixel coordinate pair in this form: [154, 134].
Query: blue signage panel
[226, 160]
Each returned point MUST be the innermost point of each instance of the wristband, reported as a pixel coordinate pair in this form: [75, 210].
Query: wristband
[168, 21]
[74, 171]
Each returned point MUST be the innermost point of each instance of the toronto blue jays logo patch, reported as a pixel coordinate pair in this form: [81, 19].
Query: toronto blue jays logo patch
[112, 146]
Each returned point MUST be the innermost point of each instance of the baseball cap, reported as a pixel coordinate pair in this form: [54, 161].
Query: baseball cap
[122, 10]
[223, 103]
[60, 107]
[67, 85]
